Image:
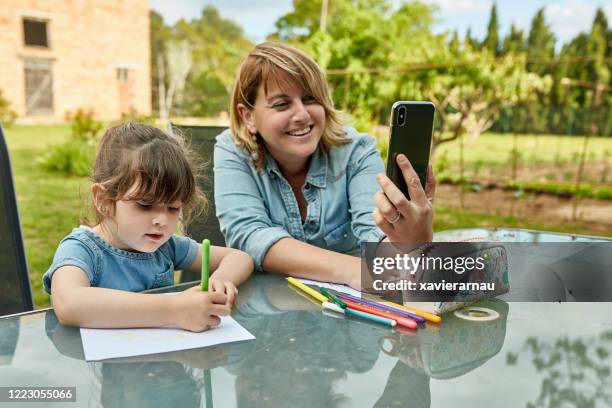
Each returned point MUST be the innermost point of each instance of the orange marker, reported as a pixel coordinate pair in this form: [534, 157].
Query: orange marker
[401, 321]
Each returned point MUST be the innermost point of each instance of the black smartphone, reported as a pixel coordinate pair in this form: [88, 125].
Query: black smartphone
[411, 134]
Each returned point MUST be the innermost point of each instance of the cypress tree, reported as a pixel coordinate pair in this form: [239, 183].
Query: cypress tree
[491, 41]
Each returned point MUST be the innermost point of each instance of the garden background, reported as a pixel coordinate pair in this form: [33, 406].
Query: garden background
[523, 124]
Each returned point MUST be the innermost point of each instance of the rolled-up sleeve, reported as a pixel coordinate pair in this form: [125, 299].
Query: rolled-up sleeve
[364, 165]
[241, 210]
[72, 252]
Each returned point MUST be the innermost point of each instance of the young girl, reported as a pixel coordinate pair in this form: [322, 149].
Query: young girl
[294, 187]
[143, 184]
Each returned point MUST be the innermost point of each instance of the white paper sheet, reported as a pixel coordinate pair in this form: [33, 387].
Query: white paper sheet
[333, 286]
[100, 344]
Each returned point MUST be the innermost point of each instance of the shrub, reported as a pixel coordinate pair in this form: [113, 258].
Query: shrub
[73, 158]
[7, 116]
[83, 125]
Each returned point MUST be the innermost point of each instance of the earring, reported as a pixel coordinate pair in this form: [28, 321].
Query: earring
[255, 153]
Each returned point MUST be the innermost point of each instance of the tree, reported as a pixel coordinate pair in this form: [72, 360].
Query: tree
[596, 47]
[178, 57]
[454, 44]
[303, 21]
[491, 41]
[540, 43]
[216, 47]
[469, 41]
[599, 69]
[364, 49]
[363, 35]
[514, 42]
[469, 98]
[160, 35]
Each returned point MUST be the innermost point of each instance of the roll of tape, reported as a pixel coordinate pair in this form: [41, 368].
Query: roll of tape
[477, 314]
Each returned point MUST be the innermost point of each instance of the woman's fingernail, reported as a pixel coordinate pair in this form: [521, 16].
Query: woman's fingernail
[414, 181]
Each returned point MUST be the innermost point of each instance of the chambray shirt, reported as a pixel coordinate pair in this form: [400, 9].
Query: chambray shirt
[114, 268]
[258, 208]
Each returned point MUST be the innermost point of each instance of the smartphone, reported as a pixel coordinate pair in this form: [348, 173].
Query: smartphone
[411, 134]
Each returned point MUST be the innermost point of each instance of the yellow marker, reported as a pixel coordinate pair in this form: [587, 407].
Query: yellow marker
[429, 316]
[307, 290]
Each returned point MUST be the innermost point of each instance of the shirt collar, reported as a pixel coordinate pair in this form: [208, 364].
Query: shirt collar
[317, 173]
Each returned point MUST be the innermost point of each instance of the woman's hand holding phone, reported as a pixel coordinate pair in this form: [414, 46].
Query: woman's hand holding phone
[400, 218]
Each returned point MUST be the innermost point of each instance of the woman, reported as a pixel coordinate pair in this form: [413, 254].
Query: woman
[296, 189]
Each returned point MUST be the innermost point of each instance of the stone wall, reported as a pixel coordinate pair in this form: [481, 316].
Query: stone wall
[88, 41]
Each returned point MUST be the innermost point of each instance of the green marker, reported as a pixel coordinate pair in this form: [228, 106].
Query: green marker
[205, 264]
[333, 297]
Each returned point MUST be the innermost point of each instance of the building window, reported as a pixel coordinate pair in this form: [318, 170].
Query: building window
[35, 33]
[38, 86]
[123, 74]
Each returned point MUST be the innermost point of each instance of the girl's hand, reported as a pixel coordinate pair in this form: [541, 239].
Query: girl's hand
[197, 311]
[225, 287]
[401, 219]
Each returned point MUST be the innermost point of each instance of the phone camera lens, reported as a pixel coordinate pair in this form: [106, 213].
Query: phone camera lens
[401, 115]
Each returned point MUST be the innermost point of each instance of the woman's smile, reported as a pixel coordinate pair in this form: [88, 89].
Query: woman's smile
[301, 132]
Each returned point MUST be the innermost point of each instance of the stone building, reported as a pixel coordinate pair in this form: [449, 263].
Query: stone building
[62, 55]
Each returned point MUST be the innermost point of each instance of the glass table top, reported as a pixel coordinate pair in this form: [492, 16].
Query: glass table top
[554, 353]
[538, 353]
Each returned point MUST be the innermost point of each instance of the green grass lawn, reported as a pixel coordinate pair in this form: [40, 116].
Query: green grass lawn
[494, 148]
[541, 158]
[51, 205]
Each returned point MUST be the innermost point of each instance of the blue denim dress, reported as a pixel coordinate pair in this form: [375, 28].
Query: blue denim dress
[113, 268]
[258, 208]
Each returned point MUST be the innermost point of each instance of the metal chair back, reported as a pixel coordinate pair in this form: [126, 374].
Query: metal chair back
[202, 140]
[15, 290]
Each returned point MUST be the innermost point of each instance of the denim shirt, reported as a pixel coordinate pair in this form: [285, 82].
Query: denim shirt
[258, 208]
[114, 268]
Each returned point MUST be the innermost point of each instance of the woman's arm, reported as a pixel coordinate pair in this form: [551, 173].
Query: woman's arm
[242, 211]
[290, 256]
[76, 303]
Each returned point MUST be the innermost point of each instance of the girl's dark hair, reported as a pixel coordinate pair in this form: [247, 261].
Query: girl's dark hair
[161, 166]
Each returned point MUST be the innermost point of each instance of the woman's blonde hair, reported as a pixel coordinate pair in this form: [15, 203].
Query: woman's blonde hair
[264, 66]
[161, 166]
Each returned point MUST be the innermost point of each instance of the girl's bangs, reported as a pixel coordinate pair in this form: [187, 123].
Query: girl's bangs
[160, 181]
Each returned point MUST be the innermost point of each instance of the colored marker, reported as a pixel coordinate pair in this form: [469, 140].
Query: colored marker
[331, 296]
[205, 265]
[332, 306]
[429, 316]
[370, 317]
[307, 290]
[377, 305]
[401, 321]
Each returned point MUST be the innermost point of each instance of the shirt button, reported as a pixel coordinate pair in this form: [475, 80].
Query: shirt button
[312, 222]
[345, 235]
[307, 187]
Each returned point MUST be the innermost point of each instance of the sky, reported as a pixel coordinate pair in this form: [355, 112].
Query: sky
[257, 17]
